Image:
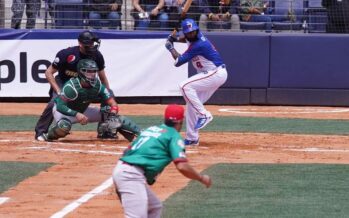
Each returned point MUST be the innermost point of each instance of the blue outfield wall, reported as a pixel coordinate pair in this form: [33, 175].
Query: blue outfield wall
[284, 69]
[264, 69]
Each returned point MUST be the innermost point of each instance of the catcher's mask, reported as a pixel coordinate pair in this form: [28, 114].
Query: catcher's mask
[88, 71]
[90, 43]
[190, 30]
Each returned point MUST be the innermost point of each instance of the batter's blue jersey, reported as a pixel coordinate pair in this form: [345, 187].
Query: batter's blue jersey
[202, 54]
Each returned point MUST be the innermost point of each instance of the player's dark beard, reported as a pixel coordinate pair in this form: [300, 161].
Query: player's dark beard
[193, 39]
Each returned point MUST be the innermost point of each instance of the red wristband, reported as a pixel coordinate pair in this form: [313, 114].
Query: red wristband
[114, 108]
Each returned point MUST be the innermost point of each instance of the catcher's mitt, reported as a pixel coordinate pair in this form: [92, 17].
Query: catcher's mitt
[113, 122]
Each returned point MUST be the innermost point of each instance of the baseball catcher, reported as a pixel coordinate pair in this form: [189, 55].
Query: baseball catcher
[63, 68]
[73, 105]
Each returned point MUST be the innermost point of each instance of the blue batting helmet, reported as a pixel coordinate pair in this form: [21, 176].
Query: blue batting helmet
[189, 25]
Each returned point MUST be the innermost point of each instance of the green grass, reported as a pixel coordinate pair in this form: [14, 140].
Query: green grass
[266, 190]
[219, 124]
[11, 173]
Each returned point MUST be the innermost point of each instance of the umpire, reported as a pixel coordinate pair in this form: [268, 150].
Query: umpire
[65, 63]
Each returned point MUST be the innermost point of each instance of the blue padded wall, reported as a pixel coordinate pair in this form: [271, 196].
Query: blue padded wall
[246, 56]
[309, 61]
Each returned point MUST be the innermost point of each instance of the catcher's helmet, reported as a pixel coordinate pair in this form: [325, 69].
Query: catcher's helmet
[87, 71]
[189, 25]
[90, 42]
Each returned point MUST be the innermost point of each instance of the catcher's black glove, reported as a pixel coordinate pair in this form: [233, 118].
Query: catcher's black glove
[113, 122]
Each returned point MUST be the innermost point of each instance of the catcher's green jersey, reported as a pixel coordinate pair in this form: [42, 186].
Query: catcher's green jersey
[154, 149]
[75, 98]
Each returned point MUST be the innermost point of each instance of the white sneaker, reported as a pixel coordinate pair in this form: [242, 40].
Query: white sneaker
[203, 121]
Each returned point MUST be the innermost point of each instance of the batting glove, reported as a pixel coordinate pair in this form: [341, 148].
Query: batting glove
[172, 38]
[169, 45]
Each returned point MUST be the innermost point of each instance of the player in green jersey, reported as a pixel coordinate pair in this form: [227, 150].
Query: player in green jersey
[146, 158]
[73, 104]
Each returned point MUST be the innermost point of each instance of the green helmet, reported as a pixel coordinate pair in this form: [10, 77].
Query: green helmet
[88, 71]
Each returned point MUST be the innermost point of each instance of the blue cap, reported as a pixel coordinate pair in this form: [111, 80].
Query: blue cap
[189, 25]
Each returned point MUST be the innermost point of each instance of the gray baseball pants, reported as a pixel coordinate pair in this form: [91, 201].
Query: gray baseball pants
[137, 199]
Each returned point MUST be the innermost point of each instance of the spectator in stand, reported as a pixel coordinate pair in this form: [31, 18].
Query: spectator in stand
[174, 7]
[146, 12]
[338, 15]
[32, 9]
[220, 15]
[259, 11]
[108, 10]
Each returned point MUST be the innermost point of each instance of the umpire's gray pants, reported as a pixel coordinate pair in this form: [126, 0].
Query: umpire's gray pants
[92, 113]
[137, 199]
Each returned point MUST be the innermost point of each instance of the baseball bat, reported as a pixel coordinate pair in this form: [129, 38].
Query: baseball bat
[185, 9]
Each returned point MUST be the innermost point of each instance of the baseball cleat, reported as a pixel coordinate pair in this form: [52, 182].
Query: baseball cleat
[188, 142]
[42, 138]
[203, 121]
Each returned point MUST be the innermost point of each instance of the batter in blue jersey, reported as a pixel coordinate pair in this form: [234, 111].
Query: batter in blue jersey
[196, 90]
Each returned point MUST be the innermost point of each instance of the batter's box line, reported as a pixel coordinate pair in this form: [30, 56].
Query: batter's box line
[72, 150]
[3, 200]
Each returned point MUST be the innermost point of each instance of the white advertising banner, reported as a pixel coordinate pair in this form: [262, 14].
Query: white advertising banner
[134, 67]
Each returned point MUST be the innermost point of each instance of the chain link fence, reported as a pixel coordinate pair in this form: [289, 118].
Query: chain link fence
[313, 16]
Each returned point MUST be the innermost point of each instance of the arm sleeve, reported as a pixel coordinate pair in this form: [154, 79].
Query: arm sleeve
[104, 93]
[59, 60]
[191, 52]
[68, 94]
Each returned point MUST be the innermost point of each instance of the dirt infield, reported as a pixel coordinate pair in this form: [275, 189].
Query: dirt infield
[84, 163]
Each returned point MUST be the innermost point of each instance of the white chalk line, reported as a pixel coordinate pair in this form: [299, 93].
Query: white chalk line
[292, 111]
[81, 151]
[83, 199]
[3, 200]
[73, 150]
[317, 150]
[64, 143]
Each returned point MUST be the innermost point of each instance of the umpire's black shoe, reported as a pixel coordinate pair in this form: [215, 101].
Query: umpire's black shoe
[107, 135]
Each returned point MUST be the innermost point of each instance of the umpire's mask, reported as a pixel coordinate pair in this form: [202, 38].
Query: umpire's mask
[90, 43]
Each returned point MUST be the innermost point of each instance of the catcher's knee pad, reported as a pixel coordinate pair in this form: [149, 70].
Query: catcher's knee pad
[60, 129]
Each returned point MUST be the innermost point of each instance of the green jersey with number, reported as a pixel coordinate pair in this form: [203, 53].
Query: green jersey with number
[75, 98]
[154, 149]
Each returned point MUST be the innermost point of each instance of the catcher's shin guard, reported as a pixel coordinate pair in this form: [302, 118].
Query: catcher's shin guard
[59, 130]
[128, 129]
